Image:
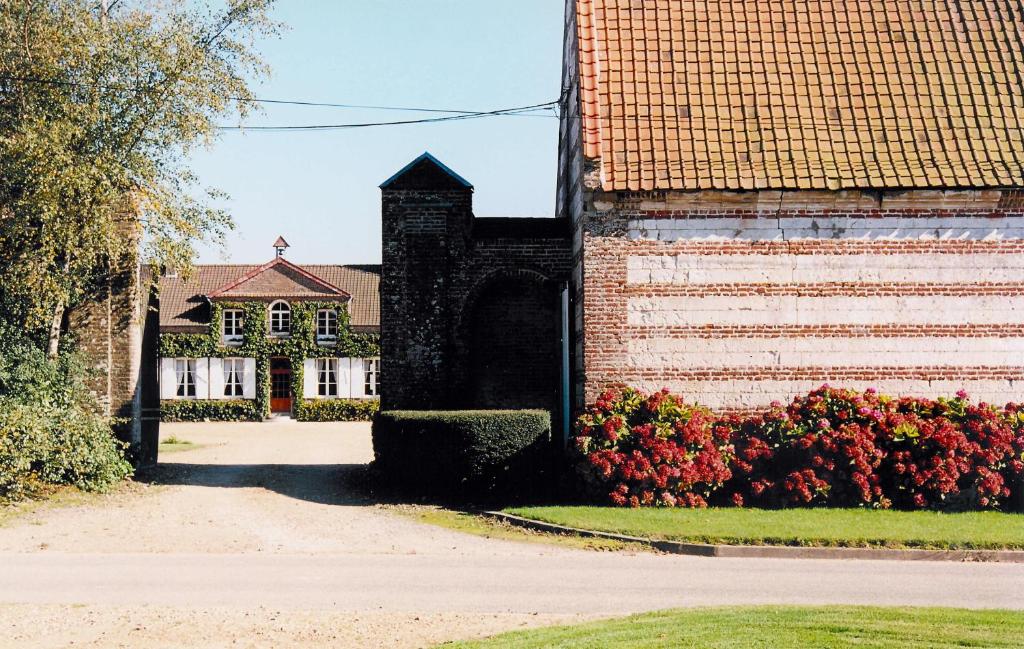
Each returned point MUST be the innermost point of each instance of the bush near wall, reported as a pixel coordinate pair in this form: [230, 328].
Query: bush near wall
[50, 429]
[832, 447]
[209, 410]
[336, 409]
[468, 453]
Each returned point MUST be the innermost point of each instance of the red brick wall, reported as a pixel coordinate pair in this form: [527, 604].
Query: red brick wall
[739, 307]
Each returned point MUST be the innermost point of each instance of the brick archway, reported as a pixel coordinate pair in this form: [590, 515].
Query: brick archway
[509, 328]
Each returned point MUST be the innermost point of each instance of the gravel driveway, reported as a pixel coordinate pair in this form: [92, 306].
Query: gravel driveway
[253, 539]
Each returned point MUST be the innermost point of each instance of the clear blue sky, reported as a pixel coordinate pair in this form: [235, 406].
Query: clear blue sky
[319, 190]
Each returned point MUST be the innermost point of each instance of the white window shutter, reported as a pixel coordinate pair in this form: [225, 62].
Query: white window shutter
[202, 378]
[354, 367]
[249, 379]
[168, 379]
[309, 381]
[216, 379]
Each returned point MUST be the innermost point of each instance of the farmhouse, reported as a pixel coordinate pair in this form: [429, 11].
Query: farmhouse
[753, 199]
[246, 341]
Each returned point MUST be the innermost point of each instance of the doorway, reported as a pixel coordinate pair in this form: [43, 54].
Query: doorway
[280, 385]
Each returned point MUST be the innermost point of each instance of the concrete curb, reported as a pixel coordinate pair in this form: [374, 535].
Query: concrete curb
[770, 551]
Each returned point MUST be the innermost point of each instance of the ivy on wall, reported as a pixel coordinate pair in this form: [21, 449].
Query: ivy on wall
[258, 344]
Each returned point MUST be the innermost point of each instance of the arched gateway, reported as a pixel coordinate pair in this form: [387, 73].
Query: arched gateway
[471, 312]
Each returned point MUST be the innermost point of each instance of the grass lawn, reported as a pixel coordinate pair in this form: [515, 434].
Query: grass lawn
[479, 526]
[781, 627]
[807, 527]
[174, 444]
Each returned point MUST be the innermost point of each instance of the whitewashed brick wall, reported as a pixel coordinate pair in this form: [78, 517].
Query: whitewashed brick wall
[737, 310]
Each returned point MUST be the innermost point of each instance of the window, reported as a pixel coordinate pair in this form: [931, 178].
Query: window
[185, 374]
[280, 319]
[232, 327]
[327, 326]
[371, 377]
[327, 377]
[234, 370]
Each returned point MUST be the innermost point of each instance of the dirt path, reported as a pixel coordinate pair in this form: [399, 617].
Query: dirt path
[254, 539]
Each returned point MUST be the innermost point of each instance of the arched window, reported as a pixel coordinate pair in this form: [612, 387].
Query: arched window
[280, 319]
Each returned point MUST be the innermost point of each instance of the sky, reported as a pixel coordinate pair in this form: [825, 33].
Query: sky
[320, 189]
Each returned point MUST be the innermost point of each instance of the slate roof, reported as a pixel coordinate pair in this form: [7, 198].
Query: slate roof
[183, 307]
[815, 94]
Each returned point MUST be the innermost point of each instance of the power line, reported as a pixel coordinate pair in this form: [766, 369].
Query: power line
[522, 110]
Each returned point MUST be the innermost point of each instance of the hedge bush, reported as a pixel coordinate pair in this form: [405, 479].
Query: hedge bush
[467, 453]
[50, 429]
[837, 448]
[337, 409]
[174, 410]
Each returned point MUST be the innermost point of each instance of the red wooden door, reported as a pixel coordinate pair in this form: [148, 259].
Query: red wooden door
[280, 385]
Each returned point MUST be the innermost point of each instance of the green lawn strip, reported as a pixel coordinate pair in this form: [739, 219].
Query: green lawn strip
[780, 628]
[492, 529]
[797, 527]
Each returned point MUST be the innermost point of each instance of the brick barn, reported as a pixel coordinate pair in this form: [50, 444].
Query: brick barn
[753, 199]
[768, 196]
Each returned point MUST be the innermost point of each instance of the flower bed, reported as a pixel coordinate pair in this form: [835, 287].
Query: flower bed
[832, 447]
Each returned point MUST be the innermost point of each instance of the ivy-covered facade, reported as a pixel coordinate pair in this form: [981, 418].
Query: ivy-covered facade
[273, 339]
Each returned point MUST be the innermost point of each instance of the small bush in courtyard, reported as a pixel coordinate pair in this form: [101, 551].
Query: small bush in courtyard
[209, 410]
[832, 447]
[337, 409]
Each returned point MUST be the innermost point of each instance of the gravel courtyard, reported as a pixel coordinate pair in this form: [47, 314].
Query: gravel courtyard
[253, 539]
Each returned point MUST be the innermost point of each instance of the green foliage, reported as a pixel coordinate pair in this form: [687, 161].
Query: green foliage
[256, 343]
[779, 627]
[98, 111]
[193, 410]
[820, 527]
[463, 453]
[337, 409]
[50, 432]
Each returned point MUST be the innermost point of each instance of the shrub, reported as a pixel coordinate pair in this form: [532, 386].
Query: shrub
[832, 447]
[204, 410]
[640, 450]
[50, 429]
[463, 453]
[337, 409]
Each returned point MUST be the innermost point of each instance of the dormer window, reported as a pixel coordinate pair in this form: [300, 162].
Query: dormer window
[326, 327]
[280, 319]
[232, 326]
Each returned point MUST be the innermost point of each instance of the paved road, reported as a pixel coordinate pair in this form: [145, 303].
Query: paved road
[260, 519]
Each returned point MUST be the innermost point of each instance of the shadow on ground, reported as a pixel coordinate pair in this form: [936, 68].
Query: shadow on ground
[325, 484]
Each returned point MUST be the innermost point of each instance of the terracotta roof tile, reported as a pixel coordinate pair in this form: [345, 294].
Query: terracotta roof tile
[182, 305]
[818, 94]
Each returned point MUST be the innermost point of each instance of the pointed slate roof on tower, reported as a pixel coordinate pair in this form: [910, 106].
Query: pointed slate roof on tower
[424, 173]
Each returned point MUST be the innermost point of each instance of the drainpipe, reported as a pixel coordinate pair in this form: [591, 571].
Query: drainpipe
[566, 406]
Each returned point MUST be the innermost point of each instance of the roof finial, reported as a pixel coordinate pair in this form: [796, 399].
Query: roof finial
[280, 245]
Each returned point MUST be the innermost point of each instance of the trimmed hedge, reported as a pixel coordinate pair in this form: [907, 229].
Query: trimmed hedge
[465, 453]
[336, 409]
[204, 410]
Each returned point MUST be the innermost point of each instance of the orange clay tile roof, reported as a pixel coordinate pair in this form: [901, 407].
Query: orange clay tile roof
[820, 94]
[183, 307]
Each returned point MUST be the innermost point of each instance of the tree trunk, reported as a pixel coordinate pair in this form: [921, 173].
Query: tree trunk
[53, 345]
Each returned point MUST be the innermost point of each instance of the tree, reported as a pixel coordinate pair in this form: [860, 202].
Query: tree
[100, 103]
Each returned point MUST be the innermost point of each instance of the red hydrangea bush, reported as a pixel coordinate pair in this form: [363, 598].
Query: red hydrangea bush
[821, 450]
[651, 450]
[832, 447]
